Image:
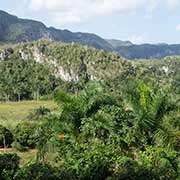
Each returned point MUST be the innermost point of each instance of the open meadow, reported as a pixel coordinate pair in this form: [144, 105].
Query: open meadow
[12, 113]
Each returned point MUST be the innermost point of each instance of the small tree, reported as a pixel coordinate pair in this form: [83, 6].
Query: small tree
[6, 137]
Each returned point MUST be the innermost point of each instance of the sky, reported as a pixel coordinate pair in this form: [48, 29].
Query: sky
[140, 21]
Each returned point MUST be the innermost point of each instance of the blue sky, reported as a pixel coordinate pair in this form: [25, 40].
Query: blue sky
[141, 21]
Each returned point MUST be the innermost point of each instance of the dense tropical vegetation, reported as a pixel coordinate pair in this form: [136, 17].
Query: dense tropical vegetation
[115, 119]
[25, 80]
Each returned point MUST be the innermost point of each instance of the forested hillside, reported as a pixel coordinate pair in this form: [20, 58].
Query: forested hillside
[32, 69]
[114, 119]
[39, 67]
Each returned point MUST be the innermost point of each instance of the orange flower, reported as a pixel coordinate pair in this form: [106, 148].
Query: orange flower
[61, 136]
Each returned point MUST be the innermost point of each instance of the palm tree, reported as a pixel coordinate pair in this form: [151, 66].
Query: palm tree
[168, 133]
[149, 106]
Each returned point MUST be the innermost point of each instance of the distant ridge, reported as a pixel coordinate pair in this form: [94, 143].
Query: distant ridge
[15, 30]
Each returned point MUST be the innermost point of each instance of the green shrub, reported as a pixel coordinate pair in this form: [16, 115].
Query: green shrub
[9, 163]
[98, 171]
[128, 169]
[39, 171]
[38, 113]
[19, 147]
[25, 134]
[6, 137]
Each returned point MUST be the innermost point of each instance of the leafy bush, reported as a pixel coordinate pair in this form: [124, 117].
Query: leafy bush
[9, 163]
[128, 169]
[37, 171]
[6, 137]
[38, 113]
[97, 171]
[19, 147]
[25, 134]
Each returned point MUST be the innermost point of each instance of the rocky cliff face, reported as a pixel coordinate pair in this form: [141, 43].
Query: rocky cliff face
[6, 53]
[70, 62]
[74, 62]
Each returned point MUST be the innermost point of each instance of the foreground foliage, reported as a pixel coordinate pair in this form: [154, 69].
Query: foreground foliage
[122, 126]
[130, 132]
[114, 136]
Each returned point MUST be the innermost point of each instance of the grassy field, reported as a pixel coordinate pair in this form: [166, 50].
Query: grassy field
[12, 113]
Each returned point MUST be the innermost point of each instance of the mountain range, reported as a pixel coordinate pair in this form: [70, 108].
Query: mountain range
[16, 30]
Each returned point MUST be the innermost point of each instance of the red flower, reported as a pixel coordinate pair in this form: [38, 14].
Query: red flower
[61, 136]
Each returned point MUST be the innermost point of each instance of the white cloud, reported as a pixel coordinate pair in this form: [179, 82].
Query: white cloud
[152, 5]
[178, 27]
[136, 39]
[172, 4]
[68, 12]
